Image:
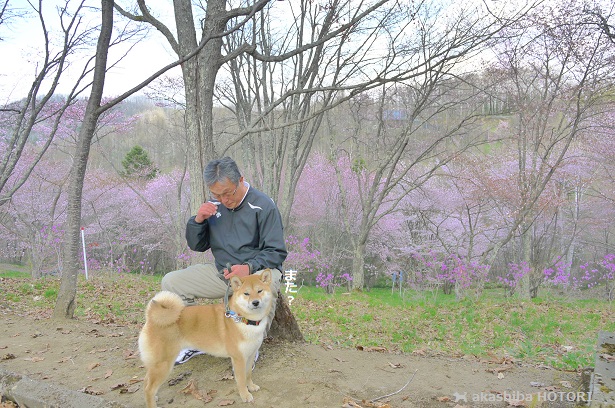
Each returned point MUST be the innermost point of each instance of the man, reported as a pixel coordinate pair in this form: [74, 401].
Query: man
[242, 226]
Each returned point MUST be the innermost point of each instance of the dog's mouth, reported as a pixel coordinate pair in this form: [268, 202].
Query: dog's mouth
[255, 305]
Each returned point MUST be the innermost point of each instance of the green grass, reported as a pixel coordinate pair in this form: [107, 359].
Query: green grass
[557, 332]
[549, 330]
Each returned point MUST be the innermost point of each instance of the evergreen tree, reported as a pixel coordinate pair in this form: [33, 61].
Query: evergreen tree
[137, 164]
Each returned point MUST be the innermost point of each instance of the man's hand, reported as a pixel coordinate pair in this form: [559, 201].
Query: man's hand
[206, 210]
[237, 270]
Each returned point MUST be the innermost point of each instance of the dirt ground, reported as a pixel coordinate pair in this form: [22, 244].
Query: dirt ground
[102, 359]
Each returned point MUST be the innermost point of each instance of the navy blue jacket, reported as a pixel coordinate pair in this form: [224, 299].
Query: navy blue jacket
[252, 233]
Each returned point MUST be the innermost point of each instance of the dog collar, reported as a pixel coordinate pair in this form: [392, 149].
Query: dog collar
[241, 319]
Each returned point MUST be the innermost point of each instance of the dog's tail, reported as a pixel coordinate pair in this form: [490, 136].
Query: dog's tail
[164, 309]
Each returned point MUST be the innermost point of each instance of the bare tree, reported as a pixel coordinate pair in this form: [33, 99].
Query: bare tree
[39, 105]
[558, 77]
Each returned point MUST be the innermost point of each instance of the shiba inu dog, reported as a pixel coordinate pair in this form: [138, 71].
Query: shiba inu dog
[235, 331]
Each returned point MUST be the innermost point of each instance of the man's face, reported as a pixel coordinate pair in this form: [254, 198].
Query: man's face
[228, 193]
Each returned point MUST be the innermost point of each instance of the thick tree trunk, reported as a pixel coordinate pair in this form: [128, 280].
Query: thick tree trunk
[65, 303]
[358, 263]
[284, 326]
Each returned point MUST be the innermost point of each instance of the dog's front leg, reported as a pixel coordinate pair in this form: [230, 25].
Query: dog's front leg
[240, 369]
[249, 363]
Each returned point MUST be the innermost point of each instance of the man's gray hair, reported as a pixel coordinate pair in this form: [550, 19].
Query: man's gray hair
[219, 170]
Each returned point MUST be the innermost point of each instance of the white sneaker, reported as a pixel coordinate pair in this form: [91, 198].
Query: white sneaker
[186, 355]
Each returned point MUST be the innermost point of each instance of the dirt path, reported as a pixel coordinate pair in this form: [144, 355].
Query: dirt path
[103, 360]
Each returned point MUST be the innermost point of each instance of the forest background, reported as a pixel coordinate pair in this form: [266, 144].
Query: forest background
[461, 148]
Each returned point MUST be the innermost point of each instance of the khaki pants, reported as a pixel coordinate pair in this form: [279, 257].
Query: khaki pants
[203, 281]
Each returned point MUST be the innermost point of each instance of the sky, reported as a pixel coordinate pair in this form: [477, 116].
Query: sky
[21, 50]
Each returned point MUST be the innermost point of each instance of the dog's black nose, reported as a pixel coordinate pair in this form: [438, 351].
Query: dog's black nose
[255, 303]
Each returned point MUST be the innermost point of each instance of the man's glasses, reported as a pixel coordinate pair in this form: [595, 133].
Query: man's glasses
[224, 195]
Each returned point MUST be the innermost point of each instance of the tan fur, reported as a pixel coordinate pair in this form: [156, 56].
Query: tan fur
[170, 327]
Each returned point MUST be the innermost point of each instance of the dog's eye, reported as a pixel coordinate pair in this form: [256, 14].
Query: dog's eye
[247, 293]
[260, 290]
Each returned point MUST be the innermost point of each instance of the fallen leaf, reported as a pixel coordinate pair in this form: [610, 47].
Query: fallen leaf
[133, 388]
[108, 373]
[566, 384]
[445, 398]
[536, 384]
[89, 390]
[398, 365]
[34, 359]
[193, 389]
[499, 369]
[93, 366]
[500, 376]
[348, 403]
[179, 378]
[8, 356]
[607, 357]
[226, 402]
[375, 348]
[118, 386]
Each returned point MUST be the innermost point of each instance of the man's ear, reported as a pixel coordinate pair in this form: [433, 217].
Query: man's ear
[236, 283]
[266, 276]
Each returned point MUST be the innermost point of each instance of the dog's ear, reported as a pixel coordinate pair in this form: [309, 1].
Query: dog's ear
[236, 282]
[266, 276]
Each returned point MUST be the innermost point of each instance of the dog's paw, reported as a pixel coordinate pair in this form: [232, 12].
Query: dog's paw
[253, 387]
[247, 397]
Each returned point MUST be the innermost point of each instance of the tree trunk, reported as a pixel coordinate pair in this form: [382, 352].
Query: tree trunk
[358, 263]
[523, 285]
[284, 326]
[65, 303]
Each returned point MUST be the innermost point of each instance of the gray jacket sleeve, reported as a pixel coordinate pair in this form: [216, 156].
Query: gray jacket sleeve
[197, 235]
[273, 247]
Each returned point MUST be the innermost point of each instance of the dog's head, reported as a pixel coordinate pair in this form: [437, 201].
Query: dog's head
[252, 297]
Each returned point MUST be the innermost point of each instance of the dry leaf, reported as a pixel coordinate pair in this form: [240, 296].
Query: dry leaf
[445, 398]
[227, 376]
[398, 365]
[566, 384]
[348, 403]
[536, 384]
[93, 366]
[226, 402]
[108, 373]
[133, 388]
[193, 389]
[500, 376]
[179, 378]
[8, 356]
[608, 357]
[34, 359]
[375, 348]
[515, 403]
[118, 386]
